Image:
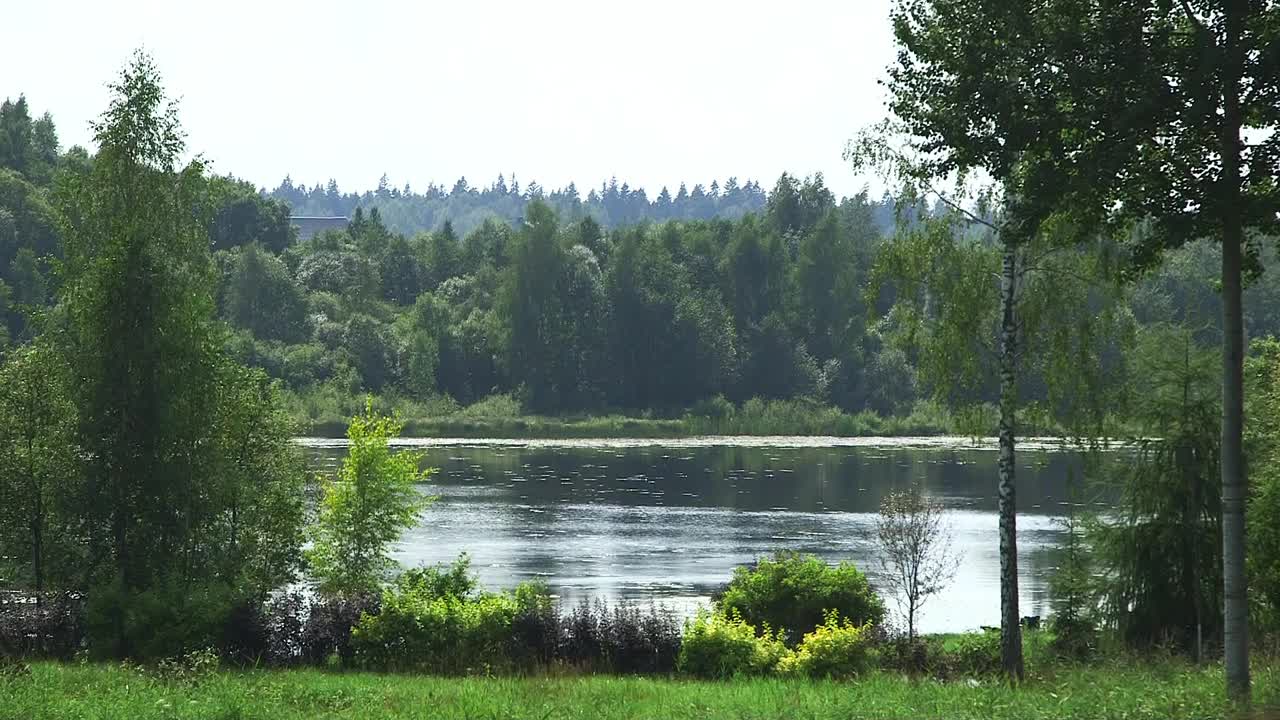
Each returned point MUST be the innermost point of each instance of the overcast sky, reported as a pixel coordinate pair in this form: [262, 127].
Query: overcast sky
[652, 92]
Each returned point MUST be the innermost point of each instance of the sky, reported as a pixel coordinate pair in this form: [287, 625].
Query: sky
[558, 91]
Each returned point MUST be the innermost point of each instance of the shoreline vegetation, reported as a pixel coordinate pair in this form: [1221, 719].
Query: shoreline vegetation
[501, 416]
[1167, 689]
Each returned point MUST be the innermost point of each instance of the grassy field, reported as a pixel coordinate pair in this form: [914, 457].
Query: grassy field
[1123, 690]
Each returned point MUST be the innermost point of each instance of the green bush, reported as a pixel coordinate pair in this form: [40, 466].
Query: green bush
[437, 581]
[437, 620]
[494, 406]
[442, 635]
[166, 621]
[793, 593]
[975, 653]
[717, 645]
[834, 649]
[715, 408]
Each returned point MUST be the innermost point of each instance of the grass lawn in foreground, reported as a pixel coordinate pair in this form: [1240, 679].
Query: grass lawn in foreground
[1119, 690]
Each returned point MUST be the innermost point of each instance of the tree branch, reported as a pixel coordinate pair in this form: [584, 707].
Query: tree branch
[1191, 15]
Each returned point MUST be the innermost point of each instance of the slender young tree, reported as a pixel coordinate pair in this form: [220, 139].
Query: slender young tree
[979, 310]
[365, 508]
[916, 549]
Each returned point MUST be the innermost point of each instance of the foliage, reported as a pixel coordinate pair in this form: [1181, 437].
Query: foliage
[184, 496]
[916, 549]
[260, 483]
[38, 473]
[373, 498]
[793, 593]
[468, 207]
[723, 645]
[440, 634]
[1072, 589]
[835, 649]
[1262, 373]
[621, 638]
[976, 653]
[158, 622]
[261, 296]
[51, 628]
[438, 620]
[327, 632]
[1160, 551]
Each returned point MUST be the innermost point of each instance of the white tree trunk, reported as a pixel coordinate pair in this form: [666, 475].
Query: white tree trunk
[1010, 627]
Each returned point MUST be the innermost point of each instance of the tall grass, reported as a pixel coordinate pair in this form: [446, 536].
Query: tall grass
[1134, 691]
[325, 410]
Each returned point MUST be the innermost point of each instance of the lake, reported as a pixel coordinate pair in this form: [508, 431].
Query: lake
[668, 520]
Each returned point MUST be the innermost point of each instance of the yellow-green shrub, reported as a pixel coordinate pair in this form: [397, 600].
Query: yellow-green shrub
[834, 649]
[716, 645]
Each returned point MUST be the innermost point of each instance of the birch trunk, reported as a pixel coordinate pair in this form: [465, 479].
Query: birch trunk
[1010, 627]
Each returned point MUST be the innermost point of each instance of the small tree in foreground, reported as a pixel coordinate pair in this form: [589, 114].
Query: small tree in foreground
[365, 507]
[917, 552]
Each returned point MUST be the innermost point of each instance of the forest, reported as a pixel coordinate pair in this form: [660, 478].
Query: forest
[566, 310]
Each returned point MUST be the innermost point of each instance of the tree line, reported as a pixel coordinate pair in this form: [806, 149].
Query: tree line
[466, 207]
[813, 298]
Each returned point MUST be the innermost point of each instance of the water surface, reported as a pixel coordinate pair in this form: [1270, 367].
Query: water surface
[667, 520]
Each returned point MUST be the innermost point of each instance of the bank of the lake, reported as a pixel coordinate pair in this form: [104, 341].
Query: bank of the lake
[1120, 689]
[623, 426]
[502, 417]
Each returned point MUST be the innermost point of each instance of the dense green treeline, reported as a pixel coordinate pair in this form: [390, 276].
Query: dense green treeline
[567, 316]
[467, 207]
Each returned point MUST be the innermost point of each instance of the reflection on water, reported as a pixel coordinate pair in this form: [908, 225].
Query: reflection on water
[668, 520]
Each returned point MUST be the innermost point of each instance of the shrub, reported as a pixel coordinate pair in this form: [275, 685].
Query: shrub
[162, 622]
[834, 649]
[53, 629]
[437, 581]
[444, 634]
[537, 630]
[594, 637]
[717, 645]
[975, 653]
[493, 406]
[792, 592]
[284, 620]
[327, 631]
[417, 630]
[365, 507]
[910, 655]
[437, 620]
[715, 408]
[272, 633]
[245, 634]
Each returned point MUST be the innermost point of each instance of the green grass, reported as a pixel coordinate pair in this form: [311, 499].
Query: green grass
[1134, 691]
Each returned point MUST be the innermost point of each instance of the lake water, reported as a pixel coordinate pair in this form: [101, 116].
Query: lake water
[668, 520]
